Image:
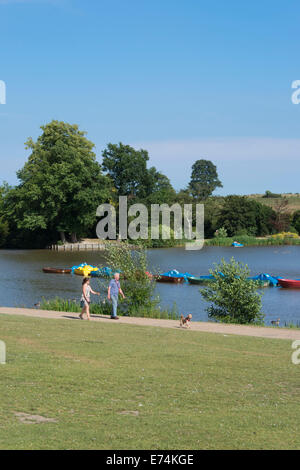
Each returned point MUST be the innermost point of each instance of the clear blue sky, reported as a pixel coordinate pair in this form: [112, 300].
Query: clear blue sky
[185, 79]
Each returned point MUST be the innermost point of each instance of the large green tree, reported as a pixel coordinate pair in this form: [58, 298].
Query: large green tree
[240, 215]
[127, 168]
[61, 184]
[204, 179]
[162, 192]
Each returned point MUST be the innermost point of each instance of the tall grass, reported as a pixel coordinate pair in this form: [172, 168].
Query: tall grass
[104, 308]
[252, 241]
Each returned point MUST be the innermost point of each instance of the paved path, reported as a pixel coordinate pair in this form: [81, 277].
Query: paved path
[262, 332]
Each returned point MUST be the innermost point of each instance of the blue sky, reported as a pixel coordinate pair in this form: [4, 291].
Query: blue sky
[184, 79]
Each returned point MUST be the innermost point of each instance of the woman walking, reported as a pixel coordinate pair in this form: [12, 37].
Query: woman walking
[86, 298]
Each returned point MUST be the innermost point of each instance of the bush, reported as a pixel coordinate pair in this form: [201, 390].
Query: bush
[284, 235]
[133, 265]
[221, 233]
[234, 298]
[269, 194]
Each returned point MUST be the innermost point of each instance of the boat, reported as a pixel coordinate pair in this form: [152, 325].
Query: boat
[289, 283]
[237, 244]
[199, 279]
[172, 276]
[86, 270]
[265, 280]
[164, 278]
[57, 270]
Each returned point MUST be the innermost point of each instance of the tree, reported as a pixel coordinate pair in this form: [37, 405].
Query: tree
[4, 226]
[234, 298]
[127, 168]
[204, 179]
[61, 184]
[282, 217]
[269, 194]
[162, 192]
[242, 215]
[296, 221]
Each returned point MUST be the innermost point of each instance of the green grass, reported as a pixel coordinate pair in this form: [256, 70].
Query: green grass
[191, 390]
[251, 241]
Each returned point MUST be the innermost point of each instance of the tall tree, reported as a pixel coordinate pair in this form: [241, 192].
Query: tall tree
[240, 215]
[61, 184]
[127, 168]
[161, 190]
[204, 179]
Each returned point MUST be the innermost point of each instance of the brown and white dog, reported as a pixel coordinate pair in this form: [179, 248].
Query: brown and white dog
[186, 321]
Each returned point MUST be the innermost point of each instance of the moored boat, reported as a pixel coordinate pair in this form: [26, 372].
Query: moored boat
[57, 270]
[199, 279]
[173, 279]
[289, 283]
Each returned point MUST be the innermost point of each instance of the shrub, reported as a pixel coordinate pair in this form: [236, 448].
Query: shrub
[234, 298]
[133, 265]
[284, 235]
[221, 233]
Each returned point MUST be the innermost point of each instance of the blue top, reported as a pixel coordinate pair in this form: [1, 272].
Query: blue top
[114, 287]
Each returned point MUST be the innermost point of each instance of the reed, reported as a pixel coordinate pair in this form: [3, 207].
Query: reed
[104, 308]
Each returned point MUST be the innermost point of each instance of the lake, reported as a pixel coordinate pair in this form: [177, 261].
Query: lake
[22, 282]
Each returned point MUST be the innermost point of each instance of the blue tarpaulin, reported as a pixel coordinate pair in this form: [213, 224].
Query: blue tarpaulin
[265, 277]
[175, 273]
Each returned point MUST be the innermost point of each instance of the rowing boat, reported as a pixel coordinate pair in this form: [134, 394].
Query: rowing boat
[289, 283]
[173, 279]
[57, 270]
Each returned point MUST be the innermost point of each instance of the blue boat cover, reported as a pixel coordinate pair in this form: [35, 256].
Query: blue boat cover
[175, 273]
[265, 277]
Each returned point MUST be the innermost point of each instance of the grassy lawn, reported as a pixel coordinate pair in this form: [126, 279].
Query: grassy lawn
[113, 386]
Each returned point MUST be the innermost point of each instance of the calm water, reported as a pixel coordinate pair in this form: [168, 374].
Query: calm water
[22, 282]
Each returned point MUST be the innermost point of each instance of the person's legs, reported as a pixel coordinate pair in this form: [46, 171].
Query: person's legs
[83, 305]
[114, 300]
[88, 311]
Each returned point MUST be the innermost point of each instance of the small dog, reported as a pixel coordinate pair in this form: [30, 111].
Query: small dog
[186, 321]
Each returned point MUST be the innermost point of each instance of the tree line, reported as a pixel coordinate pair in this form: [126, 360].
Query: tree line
[62, 183]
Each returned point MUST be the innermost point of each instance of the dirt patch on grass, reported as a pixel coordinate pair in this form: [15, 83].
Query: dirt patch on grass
[129, 413]
[33, 419]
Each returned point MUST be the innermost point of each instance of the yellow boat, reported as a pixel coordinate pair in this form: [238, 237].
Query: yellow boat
[85, 270]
